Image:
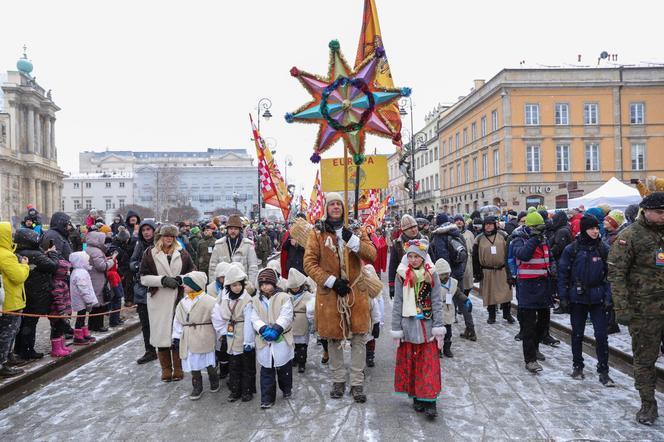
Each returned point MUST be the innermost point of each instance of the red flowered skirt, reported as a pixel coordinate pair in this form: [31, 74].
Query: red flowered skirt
[417, 370]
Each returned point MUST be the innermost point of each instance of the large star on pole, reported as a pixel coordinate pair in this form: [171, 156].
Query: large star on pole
[346, 103]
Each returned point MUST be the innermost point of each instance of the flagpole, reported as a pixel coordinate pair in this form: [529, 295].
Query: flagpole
[345, 186]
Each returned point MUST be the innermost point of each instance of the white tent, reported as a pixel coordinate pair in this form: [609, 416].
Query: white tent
[614, 192]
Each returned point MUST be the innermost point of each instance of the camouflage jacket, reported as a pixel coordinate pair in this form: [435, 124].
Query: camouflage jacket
[637, 282]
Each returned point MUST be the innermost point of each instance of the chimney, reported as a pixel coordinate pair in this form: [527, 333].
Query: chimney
[478, 84]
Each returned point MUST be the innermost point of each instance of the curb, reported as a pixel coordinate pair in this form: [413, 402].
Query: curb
[22, 386]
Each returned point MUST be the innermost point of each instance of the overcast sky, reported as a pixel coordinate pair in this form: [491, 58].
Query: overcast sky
[161, 75]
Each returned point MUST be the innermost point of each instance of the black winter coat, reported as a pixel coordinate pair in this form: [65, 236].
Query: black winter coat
[59, 234]
[140, 291]
[38, 288]
[561, 235]
[294, 258]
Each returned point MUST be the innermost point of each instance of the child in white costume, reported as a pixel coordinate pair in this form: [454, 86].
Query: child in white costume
[193, 333]
[303, 315]
[452, 296]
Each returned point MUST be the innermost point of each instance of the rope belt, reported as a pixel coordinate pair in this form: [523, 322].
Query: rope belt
[194, 325]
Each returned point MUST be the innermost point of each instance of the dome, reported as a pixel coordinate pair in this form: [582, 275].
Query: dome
[24, 65]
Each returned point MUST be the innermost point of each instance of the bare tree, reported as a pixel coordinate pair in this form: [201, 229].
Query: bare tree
[226, 211]
[181, 213]
[81, 214]
[164, 187]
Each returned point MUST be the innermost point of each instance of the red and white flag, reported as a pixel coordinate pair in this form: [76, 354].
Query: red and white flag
[316, 202]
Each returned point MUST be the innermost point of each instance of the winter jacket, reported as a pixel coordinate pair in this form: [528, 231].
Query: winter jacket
[80, 285]
[99, 263]
[140, 291]
[14, 274]
[75, 240]
[204, 252]
[186, 244]
[443, 247]
[115, 225]
[130, 228]
[582, 272]
[245, 254]
[38, 286]
[58, 233]
[61, 302]
[511, 226]
[396, 253]
[124, 255]
[561, 235]
[294, 257]
[575, 224]
[531, 293]
[263, 247]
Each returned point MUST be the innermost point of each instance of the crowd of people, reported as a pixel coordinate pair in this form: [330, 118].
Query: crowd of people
[223, 297]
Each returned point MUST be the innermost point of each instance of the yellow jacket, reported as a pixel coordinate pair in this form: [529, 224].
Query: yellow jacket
[13, 272]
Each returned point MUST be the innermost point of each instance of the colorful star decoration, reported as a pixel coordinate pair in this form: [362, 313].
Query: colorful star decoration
[346, 103]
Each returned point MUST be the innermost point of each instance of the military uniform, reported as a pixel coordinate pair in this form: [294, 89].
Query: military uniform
[636, 273]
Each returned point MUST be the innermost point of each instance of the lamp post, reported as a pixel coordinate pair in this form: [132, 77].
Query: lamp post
[415, 140]
[264, 103]
[288, 162]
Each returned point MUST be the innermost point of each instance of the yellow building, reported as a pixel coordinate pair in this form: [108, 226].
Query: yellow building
[541, 136]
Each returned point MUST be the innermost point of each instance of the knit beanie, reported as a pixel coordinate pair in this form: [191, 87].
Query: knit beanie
[532, 209]
[596, 212]
[458, 217]
[418, 246]
[333, 196]
[407, 222]
[521, 214]
[534, 219]
[588, 222]
[194, 230]
[442, 218]
[631, 212]
[605, 208]
[123, 234]
[195, 280]
[105, 229]
[267, 275]
[443, 267]
[616, 218]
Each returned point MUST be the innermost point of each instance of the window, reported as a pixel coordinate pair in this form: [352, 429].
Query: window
[485, 165]
[532, 114]
[88, 204]
[458, 173]
[457, 141]
[473, 131]
[483, 126]
[474, 168]
[121, 203]
[562, 114]
[496, 162]
[436, 183]
[638, 156]
[77, 204]
[592, 156]
[465, 136]
[465, 172]
[443, 149]
[88, 185]
[108, 185]
[590, 111]
[77, 185]
[562, 158]
[435, 153]
[636, 113]
[494, 120]
[533, 158]
[450, 145]
[122, 184]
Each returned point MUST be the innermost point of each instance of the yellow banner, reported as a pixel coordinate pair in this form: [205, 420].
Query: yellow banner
[373, 173]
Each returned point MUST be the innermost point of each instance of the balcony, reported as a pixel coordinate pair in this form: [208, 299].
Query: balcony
[424, 195]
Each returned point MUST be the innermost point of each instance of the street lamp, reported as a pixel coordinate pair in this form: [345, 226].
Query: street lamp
[416, 140]
[288, 162]
[265, 104]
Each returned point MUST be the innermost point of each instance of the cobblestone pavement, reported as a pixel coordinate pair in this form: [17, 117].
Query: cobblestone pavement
[487, 395]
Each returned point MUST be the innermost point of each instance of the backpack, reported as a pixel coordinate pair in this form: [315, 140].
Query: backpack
[457, 249]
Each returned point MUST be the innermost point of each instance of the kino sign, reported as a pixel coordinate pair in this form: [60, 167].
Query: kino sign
[535, 189]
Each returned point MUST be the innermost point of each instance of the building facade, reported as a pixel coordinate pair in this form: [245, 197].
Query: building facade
[107, 191]
[395, 182]
[542, 136]
[29, 172]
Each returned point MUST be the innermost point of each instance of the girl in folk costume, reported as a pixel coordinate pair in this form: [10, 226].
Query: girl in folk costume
[193, 333]
[232, 322]
[417, 328]
[451, 296]
[303, 315]
[272, 317]
[282, 284]
[82, 294]
[161, 269]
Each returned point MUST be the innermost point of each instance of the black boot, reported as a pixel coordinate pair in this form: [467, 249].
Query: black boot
[492, 314]
[648, 412]
[197, 383]
[358, 394]
[447, 349]
[469, 333]
[430, 410]
[550, 341]
[224, 368]
[213, 376]
[148, 356]
[338, 389]
[418, 406]
[507, 312]
[370, 359]
[577, 373]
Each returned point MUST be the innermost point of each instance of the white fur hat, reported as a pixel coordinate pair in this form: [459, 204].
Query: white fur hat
[274, 265]
[221, 269]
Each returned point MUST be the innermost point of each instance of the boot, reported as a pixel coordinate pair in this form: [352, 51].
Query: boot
[57, 350]
[533, 367]
[166, 365]
[338, 389]
[79, 338]
[32, 355]
[197, 383]
[418, 405]
[213, 376]
[87, 336]
[358, 394]
[492, 314]
[224, 368]
[325, 358]
[507, 314]
[8, 372]
[447, 349]
[648, 412]
[430, 411]
[518, 337]
[539, 356]
[148, 356]
[550, 341]
[606, 380]
[177, 365]
[469, 333]
[577, 373]
[370, 359]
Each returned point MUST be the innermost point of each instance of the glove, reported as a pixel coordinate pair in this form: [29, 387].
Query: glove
[564, 305]
[346, 234]
[341, 287]
[375, 331]
[391, 292]
[271, 334]
[248, 348]
[511, 281]
[277, 329]
[440, 340]
[169, 282]
[262, 330]
[468, 306]
[176, 344]
[179, 280]
[623, 316]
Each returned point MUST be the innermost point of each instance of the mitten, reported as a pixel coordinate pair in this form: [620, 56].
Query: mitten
[341, 287]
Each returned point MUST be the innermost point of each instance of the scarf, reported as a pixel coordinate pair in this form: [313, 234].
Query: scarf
[193, 295]
[334, 224]
[417, 293]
